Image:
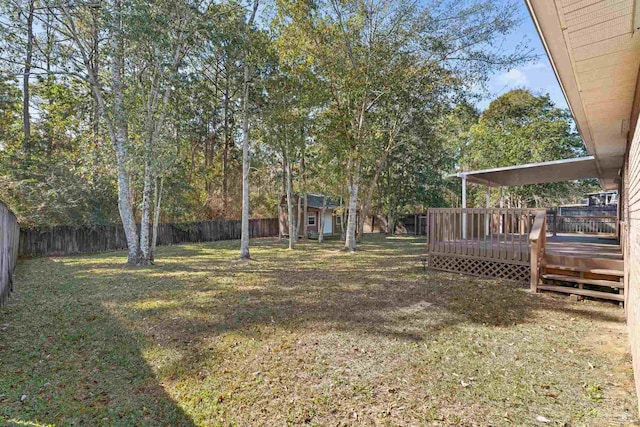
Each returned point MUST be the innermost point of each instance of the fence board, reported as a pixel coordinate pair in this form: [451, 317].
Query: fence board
[610, 210]
[67, 240]
[584, 224]
[9, 237]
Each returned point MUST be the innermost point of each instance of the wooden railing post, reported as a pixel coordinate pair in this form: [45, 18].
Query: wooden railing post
[535, 271]
[538, 238]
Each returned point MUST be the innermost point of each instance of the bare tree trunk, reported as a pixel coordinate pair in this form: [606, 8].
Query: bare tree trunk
[299, 219]
[125, 205]
[157, 200]
[368, 197]
[47, 53]
[145, 253]
[225, 150]
[284, 177]
[290, 216]
[124, 201]
[350, 240]
[305, 210]
[95, 61]
[153, 126]
[116, 123]
[321, 221]
[342, 230]
[303, 182]
[26, 116]
[244, 239]
[362, 218]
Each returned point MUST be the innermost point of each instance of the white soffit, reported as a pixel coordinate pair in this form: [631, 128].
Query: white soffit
[537, 173]
[595, 53]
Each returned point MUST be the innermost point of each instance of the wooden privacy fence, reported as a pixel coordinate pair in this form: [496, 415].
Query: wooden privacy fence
[481, 242]
[9, 235]
[609, 210]
[65, 240]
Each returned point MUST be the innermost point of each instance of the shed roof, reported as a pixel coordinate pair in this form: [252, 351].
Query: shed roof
[313, 201]
[536, 173]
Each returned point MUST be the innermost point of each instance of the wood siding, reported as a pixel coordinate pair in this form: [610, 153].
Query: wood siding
[283, 221]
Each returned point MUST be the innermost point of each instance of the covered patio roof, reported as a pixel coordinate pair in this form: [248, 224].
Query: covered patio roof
[537, 173]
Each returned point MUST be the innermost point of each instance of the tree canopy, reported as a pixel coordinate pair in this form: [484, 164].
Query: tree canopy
[518, 128]
[140, 112]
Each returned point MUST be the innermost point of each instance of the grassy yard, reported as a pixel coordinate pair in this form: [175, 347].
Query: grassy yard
[313, 336]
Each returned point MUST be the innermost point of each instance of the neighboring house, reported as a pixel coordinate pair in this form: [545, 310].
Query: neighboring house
[602, 198]
[331, 222]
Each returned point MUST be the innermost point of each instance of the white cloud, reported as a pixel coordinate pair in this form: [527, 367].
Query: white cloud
[513, 77]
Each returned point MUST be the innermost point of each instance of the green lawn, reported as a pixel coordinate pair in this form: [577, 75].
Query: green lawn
[313, 336]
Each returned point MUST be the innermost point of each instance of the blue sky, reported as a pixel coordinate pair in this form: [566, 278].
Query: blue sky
[537, 76]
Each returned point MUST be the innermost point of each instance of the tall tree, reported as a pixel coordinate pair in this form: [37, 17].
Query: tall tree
[360, 48]
[244, 239]
[520, 127]
[73, 23]
[26, 76]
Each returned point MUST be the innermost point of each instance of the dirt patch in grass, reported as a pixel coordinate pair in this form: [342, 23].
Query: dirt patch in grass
[312, 336]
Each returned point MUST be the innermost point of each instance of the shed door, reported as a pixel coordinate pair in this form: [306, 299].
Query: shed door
[327, 222]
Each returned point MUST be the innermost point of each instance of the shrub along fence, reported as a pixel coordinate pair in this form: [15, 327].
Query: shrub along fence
[66, 240]
[9, 237]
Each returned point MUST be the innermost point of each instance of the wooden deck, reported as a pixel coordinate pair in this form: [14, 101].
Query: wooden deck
[498, 246]
[481, 242]
[515, 244]
[583, 246]
[509, 248]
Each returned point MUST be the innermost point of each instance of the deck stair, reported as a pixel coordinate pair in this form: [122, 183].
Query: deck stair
[585, 271]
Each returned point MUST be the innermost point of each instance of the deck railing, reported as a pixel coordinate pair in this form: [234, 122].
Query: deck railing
[599, 225]
[495, 234]
[483, 242]
[538, 241]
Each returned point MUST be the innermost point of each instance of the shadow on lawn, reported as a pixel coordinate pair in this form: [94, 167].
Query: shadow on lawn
[380, 291]
[95, 318]
[363, 295]
[74, 363]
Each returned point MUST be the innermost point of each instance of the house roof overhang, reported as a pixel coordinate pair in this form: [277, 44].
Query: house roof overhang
[594, 50]
[537, 173]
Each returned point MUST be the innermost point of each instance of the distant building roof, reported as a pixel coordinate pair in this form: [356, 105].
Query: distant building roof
[313, 201]
[602, 193]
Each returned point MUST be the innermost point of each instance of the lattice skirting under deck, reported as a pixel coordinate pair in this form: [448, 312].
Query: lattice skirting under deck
[480, 267]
